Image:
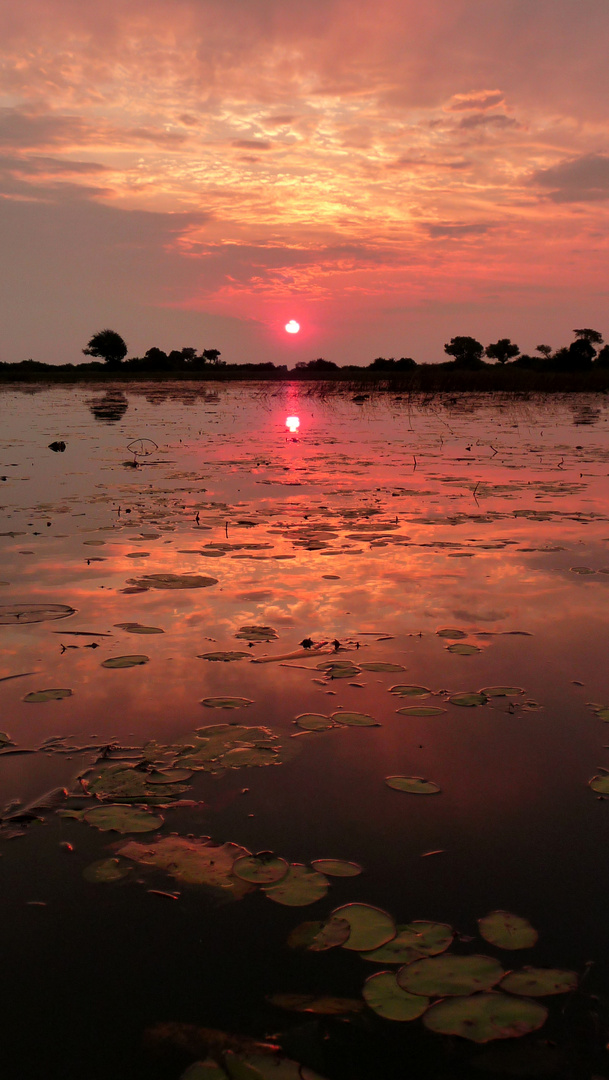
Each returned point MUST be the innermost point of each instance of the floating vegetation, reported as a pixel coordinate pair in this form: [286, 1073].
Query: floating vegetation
[138, 628]
[226, 702]
[451, 633]
[53, 694]
[413, 941]
[319, 936]
[447, 976]
[507, 931]
[463, 649]
[127, 783]
[501, 691]
[314, 722]
[485, 1017]
[339, 669]
[415, 785]
[224, 745]
[539, 982]
[377, 665]
[122, 819]
[193, 861]
[134, 660]
[13, 614]
[256, 633]
[227, 657]
[370, 927]
[354, 719]
[106, 871]
[600, 784]
[409, 691]
[300, 887]
[468, 699]
[261, 869]
[336, 867]
[172, 581]
[421, 710]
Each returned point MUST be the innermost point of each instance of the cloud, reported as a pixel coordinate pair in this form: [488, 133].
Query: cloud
[479, 99]
[495, 120]
[447, 231]
[252, 144]
[580, 179]
[20, 129]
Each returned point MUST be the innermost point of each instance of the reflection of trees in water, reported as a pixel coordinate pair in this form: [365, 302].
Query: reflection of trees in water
[109, 408]
[186, 395]
[585, 414]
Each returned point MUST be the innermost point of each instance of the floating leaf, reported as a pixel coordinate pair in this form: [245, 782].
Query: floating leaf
[310, 1003]
[256, 633]
[409, 691]
[225, 656]
[319, 936]
[539, 982]
[138, 628]
[126, 661]
[415, 785]
[314, 722]
[169, 776]
[106, 870]
[468, 699]
[485, 1017]
[123, 819]
[420, 710]
[263, 868]
[301, 886]
[336, 867]
[378, 665]
[446, 976]
[382, 994]
[463, 650]
[242, 756]
[600, 784]
[584, 570]
[55, 694]
[602, 711]
[450, 632]
[226, 702]
[370, 926]
[209, 747]
[507, 931]
[172, 581]
[195, 861]
[14, 614]
[118, 781]
[355, 719]
[339, 669]
[501, 691]
[413, 941]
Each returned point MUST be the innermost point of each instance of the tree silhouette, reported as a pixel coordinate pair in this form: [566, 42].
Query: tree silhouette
[502, 350]
[466, 351]
[591, 336]
[107, 344]
[545, 350]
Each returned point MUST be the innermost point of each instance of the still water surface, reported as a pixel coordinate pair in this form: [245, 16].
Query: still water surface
[376, 525]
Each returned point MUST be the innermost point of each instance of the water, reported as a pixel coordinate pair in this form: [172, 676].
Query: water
[377, 524]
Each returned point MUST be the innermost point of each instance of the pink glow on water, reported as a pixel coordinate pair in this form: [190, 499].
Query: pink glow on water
[292, 423]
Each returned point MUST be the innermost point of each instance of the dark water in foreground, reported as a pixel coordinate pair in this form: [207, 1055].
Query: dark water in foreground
[382, 523]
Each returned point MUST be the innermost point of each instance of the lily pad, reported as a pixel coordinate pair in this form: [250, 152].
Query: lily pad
[173, 581]
[501, 691]
[250, 756]
[447, 976]
[126, 661]
[468, 699]
[339, 669]
[195, 861]
[106, 870]
[110, 780]
[256, 633]
[539, 982]
[485, 1017]
[415, 785]
[121, 818]
[378, 665]
[420, 710]
[382, 994]
[314, 722]
[370, 926]
[507, 931]
[319, 936]
[336, 867]
[409, 691]
[138, 628]
[223, 656]
[310, 1003]
[300, 887]
[14, 614]
[355, 719]
[208, 748]
[54, 694]
[226, 702]
[412, 942]
[600, 784]
[463, 650]
[261, 869]
[451, 633]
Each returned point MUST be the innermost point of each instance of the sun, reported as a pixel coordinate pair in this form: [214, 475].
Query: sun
[292, 327]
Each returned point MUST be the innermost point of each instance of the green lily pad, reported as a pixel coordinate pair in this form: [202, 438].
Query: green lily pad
[125, 783]
[204, 1070]
[378, 665]
[412, 942]
[507, 931]
[106, 870]
[370, 926]
[602, 711]
[300, 887]
[319, 936]
[250, 756]
[314, 722]
[382, 994]
[55, 694]
[123, 819]
[173, 581]
[138, 628]
[225, 656]
[420, 710]
[450, 632]
[539, 982]
[310, 1003]
[125, 661]
[340, 670]
[415, 785]
[262, 869]
[19, 614]
[447, 976]
[501, 691]
[600, 784]
[195, 861]
[226, 702]
[468, 699]
[485, 1017]
[169, 776]
[463, 650]
[336, 867]
[355, 719]
[208, 748]
[256, 633]
[409, 691]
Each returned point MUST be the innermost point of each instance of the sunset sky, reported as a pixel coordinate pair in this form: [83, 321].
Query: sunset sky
[389, 174]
